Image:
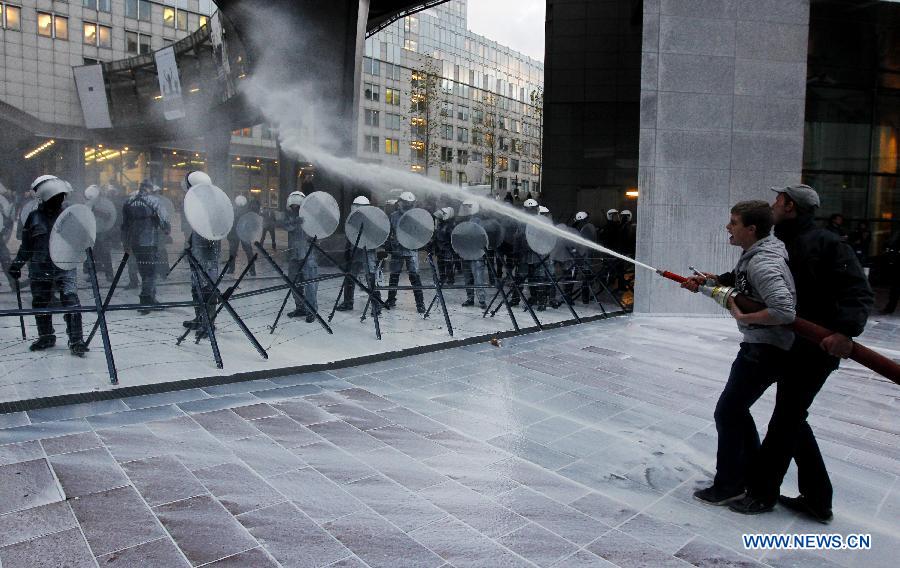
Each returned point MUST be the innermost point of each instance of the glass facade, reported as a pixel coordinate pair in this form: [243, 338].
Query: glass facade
[853, 115]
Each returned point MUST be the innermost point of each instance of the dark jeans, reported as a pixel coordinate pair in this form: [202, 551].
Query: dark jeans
[271, 232]
[756, 366]
[789, 435]
[894, 296]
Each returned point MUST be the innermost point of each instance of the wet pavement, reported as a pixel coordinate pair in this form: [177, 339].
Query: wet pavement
[574, 447]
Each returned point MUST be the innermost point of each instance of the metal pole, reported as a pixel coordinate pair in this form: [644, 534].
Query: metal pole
[287, 296]
[348, 266]
[559, 289]
[440, 294]
[184, 252]
[19, 302]
[293, 288]
[101, 317]
[109, 295]
[204, 313]
[503, 299]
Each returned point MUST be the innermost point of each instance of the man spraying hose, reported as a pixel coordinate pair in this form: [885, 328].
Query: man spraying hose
[762, 274]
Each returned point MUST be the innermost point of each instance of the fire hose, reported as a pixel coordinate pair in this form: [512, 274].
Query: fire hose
[806, 329]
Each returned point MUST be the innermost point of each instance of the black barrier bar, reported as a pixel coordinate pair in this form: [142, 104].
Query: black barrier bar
[372, 291]
[226, 295]
[101, 317]
[296, 280]
[559, 289]
[19, 302]
[183, 252]
[204, 311]
[216, 284]
[109, 295]
[512, 280]
[436, 279]
[504, 299]
[290, 283]
[218, 297]
[364, 287]
[347, 269]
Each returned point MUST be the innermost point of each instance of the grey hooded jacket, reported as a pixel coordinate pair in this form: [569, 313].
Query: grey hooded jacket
[762, 274]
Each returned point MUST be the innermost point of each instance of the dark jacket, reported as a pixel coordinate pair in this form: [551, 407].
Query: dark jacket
[143, 219]
[832, 289]
[35, 248]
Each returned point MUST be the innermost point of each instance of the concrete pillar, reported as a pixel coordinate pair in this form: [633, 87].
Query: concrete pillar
[73, 159]
[218, 159]
[723, 84]
[288, 167]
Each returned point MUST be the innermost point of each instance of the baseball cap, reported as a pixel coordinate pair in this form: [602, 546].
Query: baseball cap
[804, 196]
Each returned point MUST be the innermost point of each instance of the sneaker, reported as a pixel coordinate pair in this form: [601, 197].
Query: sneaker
[751, 505]
[468, 303]
[555, 304]
[420, 308]
[345, 307]
[310, 318]
[78, 348]
[712, 495]
[801, 504]
[42, 343]
[192, 324]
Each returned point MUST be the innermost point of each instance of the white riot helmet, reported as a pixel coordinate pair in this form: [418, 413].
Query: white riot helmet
[196, 178]
[91, 192]
[581, 216]
[361, 200]
[542, 210]
[529, 203]
[390, 202]
[626, 213]
[47, 187]
[240, 201]
[407, 198]
[610, 213]
[468, 208]
[444, 213]
[295, 198]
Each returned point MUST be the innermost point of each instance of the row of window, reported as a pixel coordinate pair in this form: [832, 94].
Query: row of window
[11, 17]
[374, 66]
[372, 146]
[372, 92]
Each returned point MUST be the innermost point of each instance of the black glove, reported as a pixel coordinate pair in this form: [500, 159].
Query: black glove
[15, 270]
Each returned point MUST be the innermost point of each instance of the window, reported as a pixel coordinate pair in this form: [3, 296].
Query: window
[373, 92]
[51, 25]
[101, 5]
[462, 135]
[173, 18]
[392, 96]
[371, 117]
[447, 131]
[138, 9]
[446, 108]
[503, 143]
[371, 144]
[513, 165]
[97, 35]
[181, 19]
[446, 154]
[535, 169]
[371, 66]
[462, 157]
[463, 178]
[391, 146]
[501, 183]
[462, 112]
[446, 176]
[137, 43]
[11, 18]
[391, 72]
[204, 20]
[502, 163]
[392, 121]
[478, 138]
[268, 133]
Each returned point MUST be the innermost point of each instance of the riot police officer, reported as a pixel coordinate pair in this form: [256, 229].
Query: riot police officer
[206, 253]
[298, 247]
[143, 218]
[359, 262]
[401, 256]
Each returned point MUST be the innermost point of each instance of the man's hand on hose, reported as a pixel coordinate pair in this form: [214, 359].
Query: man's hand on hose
[694, 282]
[837, 345]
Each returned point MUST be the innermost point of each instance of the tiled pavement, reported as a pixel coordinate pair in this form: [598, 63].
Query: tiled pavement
[574, 447]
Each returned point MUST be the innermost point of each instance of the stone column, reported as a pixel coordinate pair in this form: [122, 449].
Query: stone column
[218, 158]
[723, 85]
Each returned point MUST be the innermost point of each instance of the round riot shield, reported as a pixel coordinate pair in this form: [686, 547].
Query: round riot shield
[562, 252]
[539, 237]
[469, 240]
[415, 229]
[320, 214]
[249, 227]
[6, 208]
[370, 224]
[589, 232]
[495, 232]
[105, 214]
[74, 231]
[208, 211]
[29, 206]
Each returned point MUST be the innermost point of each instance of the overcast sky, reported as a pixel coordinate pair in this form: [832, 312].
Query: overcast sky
[518, 24]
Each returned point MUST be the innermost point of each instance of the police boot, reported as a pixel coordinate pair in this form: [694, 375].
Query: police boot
[416, 280]
[146, 302]
[197, 321]
[46, 338]
[77, 346]
[392, 294]
[347, 304]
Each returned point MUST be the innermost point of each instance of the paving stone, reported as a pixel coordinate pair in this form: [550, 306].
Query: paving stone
[27, 484]
[315, 495]
[537, 545]
[464, 547]
[473, 473]
[164, 398]
[26, 451]
[203, 529]
[584, 559]
[153, 554]
[380, 544]
[286, 431]
[256, 557]
[239, 387]
[218, 403]
[225, 425]
[334, 463]
[474, 509]
[115, 520]
[702, 552]
[191, 444]
[539, 479]
[624, 550]
[37, 521]
[357, 416]
[562, 520]
[304, 412]
[665, 536]
[412, 420]
[70, 443]
[12, 419]
[264, 456]
[30, 432]
[66, 548]
[87, 471]
[346, 436]
[397, 504]
[132, 442]
[366, 399]
[69, 411]
[238, 488]
[292, 537]
[410, 443]
[138, 416]
[254, 411]
[532, 451]
[162, 480]
[401, 468]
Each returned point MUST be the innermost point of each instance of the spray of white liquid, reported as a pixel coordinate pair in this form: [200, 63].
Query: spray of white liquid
[305, 118]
